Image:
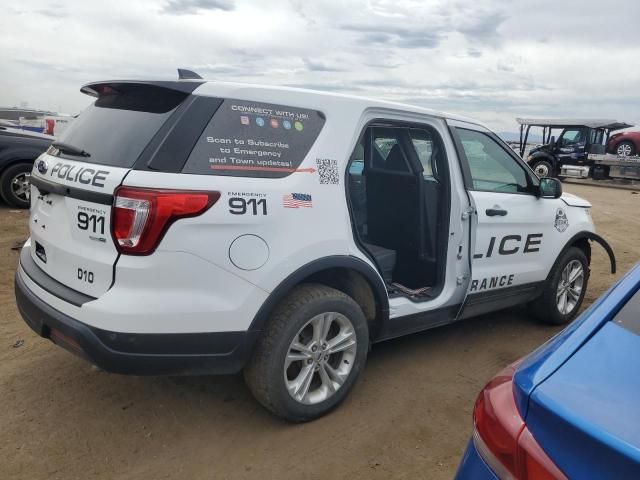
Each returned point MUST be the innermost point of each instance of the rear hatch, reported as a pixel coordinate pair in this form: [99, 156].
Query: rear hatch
[74, 181]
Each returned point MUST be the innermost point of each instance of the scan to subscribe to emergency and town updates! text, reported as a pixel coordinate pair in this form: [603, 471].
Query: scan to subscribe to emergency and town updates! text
[255, 139]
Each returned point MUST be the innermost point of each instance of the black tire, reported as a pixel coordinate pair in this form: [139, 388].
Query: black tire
[6, 188]
[541, 166]
[629, 145]
[545, 308]
[265, 374]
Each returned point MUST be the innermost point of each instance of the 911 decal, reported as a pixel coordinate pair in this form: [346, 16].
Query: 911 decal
[92, 221]
[256, 204]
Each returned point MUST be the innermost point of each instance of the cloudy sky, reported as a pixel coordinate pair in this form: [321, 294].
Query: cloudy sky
[491, 59]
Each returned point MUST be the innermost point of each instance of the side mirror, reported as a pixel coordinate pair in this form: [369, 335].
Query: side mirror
[553, 140]
[550, 188]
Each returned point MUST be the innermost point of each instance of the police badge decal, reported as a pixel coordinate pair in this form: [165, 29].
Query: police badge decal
[562, 222]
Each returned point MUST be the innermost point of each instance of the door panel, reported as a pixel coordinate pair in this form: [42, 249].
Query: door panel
[510, 247]
[512, 224]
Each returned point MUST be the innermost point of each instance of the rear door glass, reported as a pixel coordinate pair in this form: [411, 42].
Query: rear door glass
[251, 139]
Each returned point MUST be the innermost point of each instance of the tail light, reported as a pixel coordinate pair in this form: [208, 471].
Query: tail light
[502, 438]
[141, 216]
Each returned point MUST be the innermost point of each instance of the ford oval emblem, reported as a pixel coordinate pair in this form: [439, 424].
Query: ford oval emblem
[42, 166]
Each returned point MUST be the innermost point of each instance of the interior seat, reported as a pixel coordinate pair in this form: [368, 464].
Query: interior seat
[385, 260]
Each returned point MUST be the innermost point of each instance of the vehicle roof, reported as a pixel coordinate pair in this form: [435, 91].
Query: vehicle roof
[240, 90]
[574, 122]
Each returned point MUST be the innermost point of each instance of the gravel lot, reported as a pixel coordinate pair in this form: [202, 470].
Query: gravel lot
[409, 417]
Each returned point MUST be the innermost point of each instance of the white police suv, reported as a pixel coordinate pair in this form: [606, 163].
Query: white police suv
[192, 227]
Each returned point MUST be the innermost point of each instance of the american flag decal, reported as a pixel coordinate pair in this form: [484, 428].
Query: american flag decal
[297, 200]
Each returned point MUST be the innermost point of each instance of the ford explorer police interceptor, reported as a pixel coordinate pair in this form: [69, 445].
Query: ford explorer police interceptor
[193, 227]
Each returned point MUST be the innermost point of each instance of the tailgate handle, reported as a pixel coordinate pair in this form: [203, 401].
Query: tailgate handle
[495, 212]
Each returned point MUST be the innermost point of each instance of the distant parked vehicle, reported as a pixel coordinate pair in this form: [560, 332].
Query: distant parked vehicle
[38, 121]
[578, 138]
[18, 150]
[624, 143]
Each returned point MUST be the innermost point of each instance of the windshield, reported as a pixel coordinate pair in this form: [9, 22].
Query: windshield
[573, 137]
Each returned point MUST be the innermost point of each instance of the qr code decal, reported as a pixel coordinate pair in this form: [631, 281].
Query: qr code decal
[328, 171]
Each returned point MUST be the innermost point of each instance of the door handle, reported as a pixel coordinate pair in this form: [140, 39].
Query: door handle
[495, 212]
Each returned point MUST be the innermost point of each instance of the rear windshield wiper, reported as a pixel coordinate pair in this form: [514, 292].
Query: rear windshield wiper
[70, 149]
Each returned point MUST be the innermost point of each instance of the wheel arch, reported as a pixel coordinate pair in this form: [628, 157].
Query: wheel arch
[348, 274]
[9, 161]
[582, 241]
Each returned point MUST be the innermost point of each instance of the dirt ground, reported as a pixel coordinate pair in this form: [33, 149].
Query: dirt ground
[409, 416]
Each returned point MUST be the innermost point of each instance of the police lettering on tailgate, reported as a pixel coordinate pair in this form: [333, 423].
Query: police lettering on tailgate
[83, 175]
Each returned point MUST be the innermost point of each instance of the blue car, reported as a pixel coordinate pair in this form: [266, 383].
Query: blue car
[571, 409]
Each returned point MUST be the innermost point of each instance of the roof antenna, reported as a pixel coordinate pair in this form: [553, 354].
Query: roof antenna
[184, 74]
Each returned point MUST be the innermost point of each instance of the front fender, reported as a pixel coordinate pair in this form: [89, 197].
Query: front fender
[593, 237]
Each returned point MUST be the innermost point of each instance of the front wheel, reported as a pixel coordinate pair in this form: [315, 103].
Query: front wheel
[542, 168]
[565, 289]
[310, 354]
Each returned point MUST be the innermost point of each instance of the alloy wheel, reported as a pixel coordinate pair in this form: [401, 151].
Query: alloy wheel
[570, 287]
[624, 149]
[21, 186]
[320, 358]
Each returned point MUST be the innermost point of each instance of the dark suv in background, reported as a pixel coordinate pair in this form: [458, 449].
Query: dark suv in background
[18, 150]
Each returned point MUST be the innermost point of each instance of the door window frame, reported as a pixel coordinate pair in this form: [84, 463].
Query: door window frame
[532, 180]
[444, 179]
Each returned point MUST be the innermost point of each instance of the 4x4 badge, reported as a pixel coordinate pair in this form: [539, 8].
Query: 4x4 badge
[42, 166]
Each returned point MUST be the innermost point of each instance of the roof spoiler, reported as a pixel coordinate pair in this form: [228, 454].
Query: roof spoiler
[111, 87]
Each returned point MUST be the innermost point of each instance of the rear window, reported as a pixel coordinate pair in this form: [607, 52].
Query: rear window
[251, 139]
[118, 126]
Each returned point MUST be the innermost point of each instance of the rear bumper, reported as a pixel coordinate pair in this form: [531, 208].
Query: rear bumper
[136, 353]
[473, 467]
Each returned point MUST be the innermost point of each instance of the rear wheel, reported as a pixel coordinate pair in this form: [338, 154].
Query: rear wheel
[310, 355]
[565, 289]
[542, 168]
[15, 186]
[626, 149]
